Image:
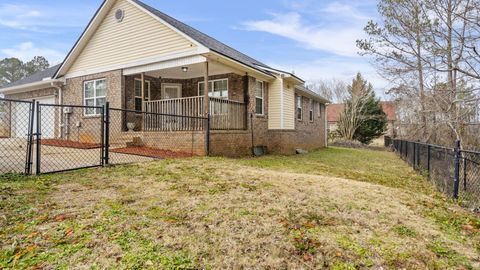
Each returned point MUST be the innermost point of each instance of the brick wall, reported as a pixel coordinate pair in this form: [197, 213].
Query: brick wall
[120, 93]
[87, 128]
[308, 135]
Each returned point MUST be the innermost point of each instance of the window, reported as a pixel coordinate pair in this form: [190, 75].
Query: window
[260, 98]
[94, 93]
[312, 108]
[138, 93]
[3, 110]
[319, 109]
[217, 88]
[299, 108]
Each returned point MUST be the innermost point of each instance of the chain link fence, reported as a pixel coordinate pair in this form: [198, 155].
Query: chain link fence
[68, 137]
[16, 124]
[453, 171]
[40, 138]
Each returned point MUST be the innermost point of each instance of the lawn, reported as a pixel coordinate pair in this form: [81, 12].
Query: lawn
[332, 209]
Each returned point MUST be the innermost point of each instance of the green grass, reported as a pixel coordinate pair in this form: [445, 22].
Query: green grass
[274, 212]
[378, 167]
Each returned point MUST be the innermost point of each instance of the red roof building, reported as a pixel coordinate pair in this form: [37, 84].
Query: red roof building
[335, 110]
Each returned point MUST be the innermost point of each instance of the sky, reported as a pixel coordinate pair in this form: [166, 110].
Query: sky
[313, 38]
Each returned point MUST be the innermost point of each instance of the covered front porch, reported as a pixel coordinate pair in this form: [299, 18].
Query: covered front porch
[171, 97]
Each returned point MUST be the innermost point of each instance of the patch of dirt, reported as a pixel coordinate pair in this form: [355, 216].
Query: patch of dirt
[151, 152]
[70, 144]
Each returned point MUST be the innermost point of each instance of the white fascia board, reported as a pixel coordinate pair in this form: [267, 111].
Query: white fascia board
[262, 75]
[83, 40]
[148, 61]
[29, 87]
[165, 64]
[284, 74]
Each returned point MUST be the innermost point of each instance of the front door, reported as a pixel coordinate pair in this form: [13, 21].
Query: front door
[171, 91]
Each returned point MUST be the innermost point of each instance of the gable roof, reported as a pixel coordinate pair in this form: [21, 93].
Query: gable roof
[189, 32]
[36, 77]
[335, 110]
[203, 39]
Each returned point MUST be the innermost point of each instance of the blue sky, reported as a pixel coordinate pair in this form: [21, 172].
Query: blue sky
[313, 38]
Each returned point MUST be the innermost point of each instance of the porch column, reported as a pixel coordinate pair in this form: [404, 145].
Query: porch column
[143, 90]
[206, 103]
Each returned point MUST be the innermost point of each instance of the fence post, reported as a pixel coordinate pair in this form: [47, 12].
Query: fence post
[106, 134]
[456, 180]
[417, 156]
[28, 166]
[428, 160]
[39, 139]
[406, 151]
[465, 175]
[414, 157]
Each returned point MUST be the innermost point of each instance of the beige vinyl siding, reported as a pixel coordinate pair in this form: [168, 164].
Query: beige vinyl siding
[274, 104]
[281, 105]
[288, 106]
[138, 37]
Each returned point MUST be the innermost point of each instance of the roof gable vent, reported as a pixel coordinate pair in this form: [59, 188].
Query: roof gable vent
[119, 15]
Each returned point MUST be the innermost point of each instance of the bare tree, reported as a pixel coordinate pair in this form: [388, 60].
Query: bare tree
[333, 89]
[429, 50]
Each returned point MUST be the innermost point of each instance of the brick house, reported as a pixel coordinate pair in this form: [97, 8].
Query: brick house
[140, 59]
[335, 110]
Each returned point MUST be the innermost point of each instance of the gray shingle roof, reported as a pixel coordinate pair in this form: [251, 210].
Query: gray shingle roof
[193, 33]
[204, 39]
[36, 77]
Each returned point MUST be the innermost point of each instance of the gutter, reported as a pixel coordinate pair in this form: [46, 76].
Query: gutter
[59, 102]
[311, 94]
[29, 86]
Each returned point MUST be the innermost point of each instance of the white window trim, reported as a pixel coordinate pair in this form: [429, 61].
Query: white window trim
[299, 107]
[135, 94]
[213, 81]
[95, 97]
[311, 111]
[176, 85]
[262, 98]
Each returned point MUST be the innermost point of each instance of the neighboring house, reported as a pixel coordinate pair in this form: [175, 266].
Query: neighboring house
[138, 58]
[335, 110]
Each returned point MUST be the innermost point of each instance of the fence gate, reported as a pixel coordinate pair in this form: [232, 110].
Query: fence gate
[16, 123]
[68, 137]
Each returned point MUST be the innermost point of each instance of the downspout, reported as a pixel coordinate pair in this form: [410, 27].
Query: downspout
[326, 123]
[60, 102]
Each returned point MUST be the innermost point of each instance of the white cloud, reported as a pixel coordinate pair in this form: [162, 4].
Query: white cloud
[27, 50]
[20, 17]
[330, 28]
[342, 68]
[334, 37]
[38, 18]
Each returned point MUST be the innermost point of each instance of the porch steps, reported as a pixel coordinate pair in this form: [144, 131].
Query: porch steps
[125, 140]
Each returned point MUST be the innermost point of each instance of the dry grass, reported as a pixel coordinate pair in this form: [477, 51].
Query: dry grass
[211, 213]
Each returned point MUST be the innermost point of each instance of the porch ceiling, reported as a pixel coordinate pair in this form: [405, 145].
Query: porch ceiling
[173, 69]
[194, 71]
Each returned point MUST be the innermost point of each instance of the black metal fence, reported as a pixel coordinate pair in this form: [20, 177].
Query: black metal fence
[454, 171]
[16, 127]
[136, 136]
[44, 138]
